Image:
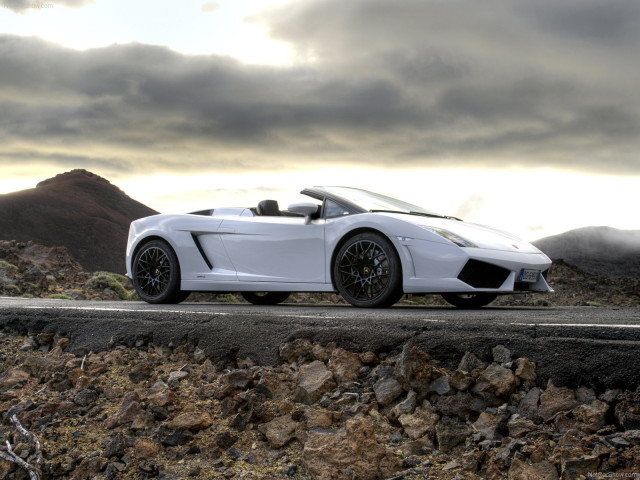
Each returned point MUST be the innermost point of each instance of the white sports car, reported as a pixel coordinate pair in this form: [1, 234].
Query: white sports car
[370, 248]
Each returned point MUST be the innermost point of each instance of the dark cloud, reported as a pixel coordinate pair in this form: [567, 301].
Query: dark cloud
[383, 84]
[22, 6]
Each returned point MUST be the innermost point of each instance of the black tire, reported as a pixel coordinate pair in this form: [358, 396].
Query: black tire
[156, 273]
[367, 271]
[469, 300]
[265, 298]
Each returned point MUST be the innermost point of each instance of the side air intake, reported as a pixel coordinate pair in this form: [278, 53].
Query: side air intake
[483, 275]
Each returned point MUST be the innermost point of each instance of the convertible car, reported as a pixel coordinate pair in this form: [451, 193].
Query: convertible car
[370, 248]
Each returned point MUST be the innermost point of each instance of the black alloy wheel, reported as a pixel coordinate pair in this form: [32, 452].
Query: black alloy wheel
[265, 298]
[469, 300]
[156, 274]
[367, 271]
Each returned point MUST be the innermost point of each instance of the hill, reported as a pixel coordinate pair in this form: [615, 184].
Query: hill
[602, 251]
[77, 209]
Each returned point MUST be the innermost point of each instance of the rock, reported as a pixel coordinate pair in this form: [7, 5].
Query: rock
[36, 366]
[627, 411]
[175, 378]
[128, 411]
[190, 421]
[291, 351]
[592, 416]
[45, 338]
[414, 369]
[145, 448]
[279, 431]
[528, 406]
[423, 421]
[199, 355]
[501, 354]
[85, 397]
[578, 467]
[632, 436]
[225, 440]
[89, 467]
[369, 359]
[519, 427]
[470, 362]
[319, 418]
[407, 406]
[460, 380]
[344, 365]
[387, 390]
[140, 372]
[440, 385]
[462, 404]
[179, 437]
[487, 426]
[241, 379]
[115, 447]
[520, 470]
[351, 453]
[554, 400]
[526, 370]
[450, 432]
[497, 380]
[314, 380]
[585, 395]
[13, 377]
[159, 395]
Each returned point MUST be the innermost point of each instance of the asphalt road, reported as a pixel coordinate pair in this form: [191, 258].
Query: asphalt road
[597, 347]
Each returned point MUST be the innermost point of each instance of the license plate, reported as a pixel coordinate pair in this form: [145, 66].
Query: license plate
[529, 276]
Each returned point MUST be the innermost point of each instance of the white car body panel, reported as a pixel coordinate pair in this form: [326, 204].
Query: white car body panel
[235, 250]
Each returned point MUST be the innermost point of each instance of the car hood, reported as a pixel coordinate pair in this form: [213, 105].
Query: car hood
[482, 235]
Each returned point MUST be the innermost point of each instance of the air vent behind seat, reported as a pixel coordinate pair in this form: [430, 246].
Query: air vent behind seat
[483, 275]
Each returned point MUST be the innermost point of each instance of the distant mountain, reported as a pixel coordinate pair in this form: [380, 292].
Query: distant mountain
[78, 210]
[602, 251]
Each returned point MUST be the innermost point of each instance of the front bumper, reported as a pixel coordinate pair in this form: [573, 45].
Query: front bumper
[443, 269]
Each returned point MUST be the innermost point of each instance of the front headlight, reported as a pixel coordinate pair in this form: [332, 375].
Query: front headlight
[452, 237]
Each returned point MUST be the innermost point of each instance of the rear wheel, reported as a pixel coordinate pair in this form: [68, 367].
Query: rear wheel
[367, 271]
[469, 300]
[265, 298]
[156, 274]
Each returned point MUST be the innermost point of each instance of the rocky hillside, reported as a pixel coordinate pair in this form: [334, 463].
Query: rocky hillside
[597, 250]
[324, 413]
[78, 210]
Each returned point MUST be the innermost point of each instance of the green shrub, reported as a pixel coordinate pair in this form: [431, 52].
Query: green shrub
[227, 298]
[7, 266]
[120, 278]
[101, 280]
[12, 289]
[543, 302]
[59, 296]
[592, 303]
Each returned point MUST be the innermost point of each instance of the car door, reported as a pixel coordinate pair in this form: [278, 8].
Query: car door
[275, 249]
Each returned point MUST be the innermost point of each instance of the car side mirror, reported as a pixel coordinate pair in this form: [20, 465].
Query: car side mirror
[308, 210]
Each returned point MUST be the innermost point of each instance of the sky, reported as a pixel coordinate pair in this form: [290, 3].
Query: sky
[517, 114]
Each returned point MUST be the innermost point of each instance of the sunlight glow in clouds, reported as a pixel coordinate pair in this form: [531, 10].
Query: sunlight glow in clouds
[196, 27]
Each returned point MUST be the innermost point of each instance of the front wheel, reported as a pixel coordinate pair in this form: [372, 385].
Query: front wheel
[156, 273]
[265, 298]
[469, 300]
[367, 271]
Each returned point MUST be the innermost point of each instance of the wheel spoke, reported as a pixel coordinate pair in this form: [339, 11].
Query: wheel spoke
[153, 271]
[364, 270]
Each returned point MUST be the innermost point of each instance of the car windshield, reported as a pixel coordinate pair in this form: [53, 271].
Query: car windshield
[374, 202]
